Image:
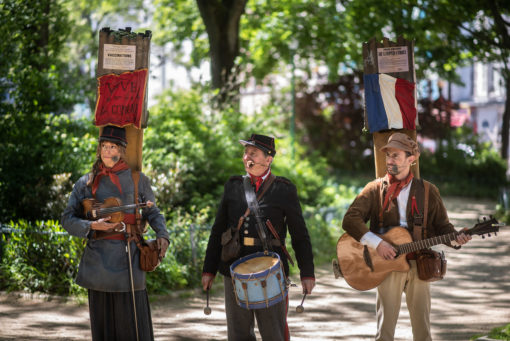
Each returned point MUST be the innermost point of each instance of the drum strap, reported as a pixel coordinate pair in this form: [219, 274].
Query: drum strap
[253, 206]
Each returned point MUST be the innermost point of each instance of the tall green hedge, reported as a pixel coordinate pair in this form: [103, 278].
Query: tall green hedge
[39, 257]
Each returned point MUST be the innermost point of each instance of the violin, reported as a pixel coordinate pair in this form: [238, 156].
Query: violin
[111, 207]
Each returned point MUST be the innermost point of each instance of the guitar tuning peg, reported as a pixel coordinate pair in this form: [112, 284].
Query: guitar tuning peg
[489, 234]
[495, 233]
[484, 218]
[483, 237]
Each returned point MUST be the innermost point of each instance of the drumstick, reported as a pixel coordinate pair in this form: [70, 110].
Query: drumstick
[300, 308]
[207, 310]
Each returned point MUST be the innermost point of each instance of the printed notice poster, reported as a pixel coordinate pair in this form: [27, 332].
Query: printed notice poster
[119, 57]
[392, 59]
[120, 98]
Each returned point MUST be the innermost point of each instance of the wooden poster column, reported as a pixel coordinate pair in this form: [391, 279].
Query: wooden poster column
[372, 65]
[126, 52]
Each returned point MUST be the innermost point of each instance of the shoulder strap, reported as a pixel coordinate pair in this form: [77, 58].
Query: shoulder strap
[136, 178]
[426, 206]
[420, 229]
[253, 205]
[265, 187]
[381, 201]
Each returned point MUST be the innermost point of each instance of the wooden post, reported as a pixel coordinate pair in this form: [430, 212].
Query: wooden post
[371, 66]
[141, 42]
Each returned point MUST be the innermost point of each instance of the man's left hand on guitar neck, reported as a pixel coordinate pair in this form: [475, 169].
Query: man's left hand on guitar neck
[462, 238]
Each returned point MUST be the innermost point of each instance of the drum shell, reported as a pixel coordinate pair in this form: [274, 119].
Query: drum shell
[276, 286]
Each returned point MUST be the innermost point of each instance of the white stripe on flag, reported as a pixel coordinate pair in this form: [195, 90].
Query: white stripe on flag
[387, 85]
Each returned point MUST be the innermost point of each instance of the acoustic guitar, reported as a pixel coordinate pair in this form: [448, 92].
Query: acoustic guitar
[364, 269]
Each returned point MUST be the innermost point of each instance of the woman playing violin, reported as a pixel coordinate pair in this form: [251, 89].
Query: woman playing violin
[105, 267]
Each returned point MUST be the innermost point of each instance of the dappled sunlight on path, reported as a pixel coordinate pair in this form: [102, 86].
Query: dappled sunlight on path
[473, 298]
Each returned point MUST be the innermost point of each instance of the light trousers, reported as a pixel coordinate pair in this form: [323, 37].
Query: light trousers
[389, 298]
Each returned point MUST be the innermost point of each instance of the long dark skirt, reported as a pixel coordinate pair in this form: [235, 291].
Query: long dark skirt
[111, 316]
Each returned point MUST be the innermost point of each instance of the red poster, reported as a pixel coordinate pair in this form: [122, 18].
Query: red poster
[120, 98]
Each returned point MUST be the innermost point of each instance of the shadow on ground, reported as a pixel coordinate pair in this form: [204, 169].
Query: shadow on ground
[473, 298]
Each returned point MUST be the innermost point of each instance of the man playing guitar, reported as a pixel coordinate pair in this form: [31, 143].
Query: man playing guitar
[389, 202]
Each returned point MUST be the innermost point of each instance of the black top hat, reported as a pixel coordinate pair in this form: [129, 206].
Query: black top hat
[114, 134]
[262, 142]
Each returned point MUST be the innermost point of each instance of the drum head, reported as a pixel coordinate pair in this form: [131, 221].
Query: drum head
[255, 265]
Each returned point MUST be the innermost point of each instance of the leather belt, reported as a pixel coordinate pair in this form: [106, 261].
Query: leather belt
[109, 235]
[248, 241]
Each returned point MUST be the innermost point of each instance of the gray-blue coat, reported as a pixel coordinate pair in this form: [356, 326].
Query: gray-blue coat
[104, 264]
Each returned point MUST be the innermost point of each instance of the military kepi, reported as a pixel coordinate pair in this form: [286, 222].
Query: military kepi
[262, 142]
[114, 134]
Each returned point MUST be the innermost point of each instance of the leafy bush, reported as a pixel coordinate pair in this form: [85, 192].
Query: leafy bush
[41, 257]
[464, 166]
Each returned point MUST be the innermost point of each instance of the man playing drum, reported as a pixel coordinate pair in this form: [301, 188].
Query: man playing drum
[279, 210]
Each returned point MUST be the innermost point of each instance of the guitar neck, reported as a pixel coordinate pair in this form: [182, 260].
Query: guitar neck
[426, 243]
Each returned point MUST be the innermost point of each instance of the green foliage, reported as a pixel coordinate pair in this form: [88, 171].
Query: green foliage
[40, 257]
[182, 267]
[34, 160]
[463, 166]
[33, 92]
[500, 333]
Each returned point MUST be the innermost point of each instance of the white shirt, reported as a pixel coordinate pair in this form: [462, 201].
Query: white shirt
[372, 240]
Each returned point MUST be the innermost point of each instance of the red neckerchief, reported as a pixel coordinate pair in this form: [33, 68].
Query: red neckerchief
[103, 170]
[258, 180]
[395, 188]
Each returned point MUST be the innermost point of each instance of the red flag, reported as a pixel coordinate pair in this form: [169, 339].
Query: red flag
[120, 98]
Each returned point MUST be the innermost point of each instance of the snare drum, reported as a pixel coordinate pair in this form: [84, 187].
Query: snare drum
[258, 280]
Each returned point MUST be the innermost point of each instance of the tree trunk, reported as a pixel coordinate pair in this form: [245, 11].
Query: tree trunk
[506, 122]
[221, 19]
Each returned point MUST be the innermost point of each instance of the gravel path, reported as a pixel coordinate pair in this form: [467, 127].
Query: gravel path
[473, 298]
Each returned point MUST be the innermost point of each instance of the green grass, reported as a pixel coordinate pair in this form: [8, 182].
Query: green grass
[498, 333]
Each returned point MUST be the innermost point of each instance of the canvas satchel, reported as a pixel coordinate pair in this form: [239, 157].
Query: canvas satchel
[431, 264]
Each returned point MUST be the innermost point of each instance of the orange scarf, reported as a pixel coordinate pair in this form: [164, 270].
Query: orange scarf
[103, 170]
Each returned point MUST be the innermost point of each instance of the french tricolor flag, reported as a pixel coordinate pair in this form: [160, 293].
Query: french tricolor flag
[390, 102]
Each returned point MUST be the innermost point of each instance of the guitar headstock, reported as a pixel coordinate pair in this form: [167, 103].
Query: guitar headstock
[487, 226]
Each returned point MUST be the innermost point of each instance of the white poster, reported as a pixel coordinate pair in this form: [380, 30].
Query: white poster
[392, 59]
[119, 57]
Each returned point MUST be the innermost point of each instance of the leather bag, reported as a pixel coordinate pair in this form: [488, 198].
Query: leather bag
[431, 265]
[231, 245]
[149, 250]
[149, 255]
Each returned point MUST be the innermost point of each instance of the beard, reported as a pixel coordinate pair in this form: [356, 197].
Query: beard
[393, 169]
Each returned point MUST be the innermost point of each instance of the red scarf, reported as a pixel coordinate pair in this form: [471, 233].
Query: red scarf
[258, 180]
[103, 170]
[395, 188]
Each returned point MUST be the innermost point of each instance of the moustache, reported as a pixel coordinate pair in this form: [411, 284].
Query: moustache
[251, 163]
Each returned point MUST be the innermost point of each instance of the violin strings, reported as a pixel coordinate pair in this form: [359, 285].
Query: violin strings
[117, 208]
